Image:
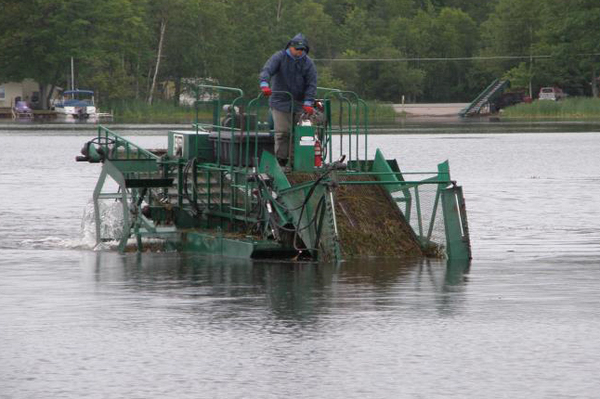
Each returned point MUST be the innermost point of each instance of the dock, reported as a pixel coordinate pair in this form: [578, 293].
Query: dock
[430, 109]
[6, 113]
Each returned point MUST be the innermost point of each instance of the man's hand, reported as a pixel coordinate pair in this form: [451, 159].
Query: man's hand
[266, 91]
[308, 109]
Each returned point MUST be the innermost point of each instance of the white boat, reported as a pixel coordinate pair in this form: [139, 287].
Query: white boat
[78, 104]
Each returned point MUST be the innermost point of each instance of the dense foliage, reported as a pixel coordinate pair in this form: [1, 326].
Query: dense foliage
[436, 50]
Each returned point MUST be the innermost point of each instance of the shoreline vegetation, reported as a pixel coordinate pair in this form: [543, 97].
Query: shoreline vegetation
[139, 111]
[574, 108]
[380, 113]
[424, 51]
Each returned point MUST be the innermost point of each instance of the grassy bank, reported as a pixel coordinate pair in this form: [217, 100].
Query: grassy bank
[136, 111]
[569, 109]
[379, 113]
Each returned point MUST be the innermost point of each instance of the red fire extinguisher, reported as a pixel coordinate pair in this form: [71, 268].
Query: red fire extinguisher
[318, 154]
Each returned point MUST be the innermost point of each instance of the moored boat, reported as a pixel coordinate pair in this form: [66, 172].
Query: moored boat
[76, 104]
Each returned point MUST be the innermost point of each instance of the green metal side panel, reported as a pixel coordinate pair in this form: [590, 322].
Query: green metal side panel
[269, 165]
[458, 244]
[327, 244]
[455, 272]
[215, 244]
[304, 148]
[444, 171]
[324, 246]
[380, 165]
[190, 144]
[294, 200]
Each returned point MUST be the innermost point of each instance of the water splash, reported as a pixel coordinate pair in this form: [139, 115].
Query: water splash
[111, 228]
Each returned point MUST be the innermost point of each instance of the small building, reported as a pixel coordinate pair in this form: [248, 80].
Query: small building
[187, 96]
[27, 90]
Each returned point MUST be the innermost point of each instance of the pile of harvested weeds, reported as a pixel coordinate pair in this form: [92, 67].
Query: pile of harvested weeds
[369, 221]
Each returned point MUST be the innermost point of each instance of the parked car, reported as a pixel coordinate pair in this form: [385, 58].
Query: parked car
[551, 93]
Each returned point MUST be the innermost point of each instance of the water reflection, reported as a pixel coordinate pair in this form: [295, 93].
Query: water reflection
[302, 292]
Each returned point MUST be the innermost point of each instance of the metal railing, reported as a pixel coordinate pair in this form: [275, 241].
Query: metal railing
[245, 126]
[111, 142]
[357, 123]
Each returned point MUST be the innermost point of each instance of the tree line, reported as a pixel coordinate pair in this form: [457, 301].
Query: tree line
[424, 50]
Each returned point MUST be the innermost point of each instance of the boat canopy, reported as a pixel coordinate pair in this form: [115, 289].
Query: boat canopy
[78, 92]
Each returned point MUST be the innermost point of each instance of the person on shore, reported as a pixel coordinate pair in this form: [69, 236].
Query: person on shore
[289, 70]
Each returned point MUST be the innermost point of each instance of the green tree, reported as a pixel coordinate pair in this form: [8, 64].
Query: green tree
[444, 33]
[569, 33]
[92, 32]
[197, 43]
[111, 64]
[478, 10]
[309, 17]
[389, 81]
[520, 76]
[511, 30]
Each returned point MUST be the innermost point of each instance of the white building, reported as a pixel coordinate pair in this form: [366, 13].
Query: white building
[27, 90]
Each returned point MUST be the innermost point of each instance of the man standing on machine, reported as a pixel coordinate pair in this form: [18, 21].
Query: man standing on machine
[289, 70]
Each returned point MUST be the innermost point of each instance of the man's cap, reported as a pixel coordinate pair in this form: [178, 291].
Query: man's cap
[298, 44]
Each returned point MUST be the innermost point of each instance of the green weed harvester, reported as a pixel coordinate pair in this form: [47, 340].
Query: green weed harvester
[218, 189]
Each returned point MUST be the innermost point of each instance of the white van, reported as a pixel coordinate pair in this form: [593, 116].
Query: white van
[551, 93]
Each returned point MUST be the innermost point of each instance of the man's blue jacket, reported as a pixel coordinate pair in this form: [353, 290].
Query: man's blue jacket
[294, 75]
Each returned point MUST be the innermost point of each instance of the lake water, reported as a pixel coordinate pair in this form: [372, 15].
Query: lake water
[523, 321]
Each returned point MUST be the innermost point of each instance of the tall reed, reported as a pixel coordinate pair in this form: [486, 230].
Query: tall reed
[138, 111]
[569, 108]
